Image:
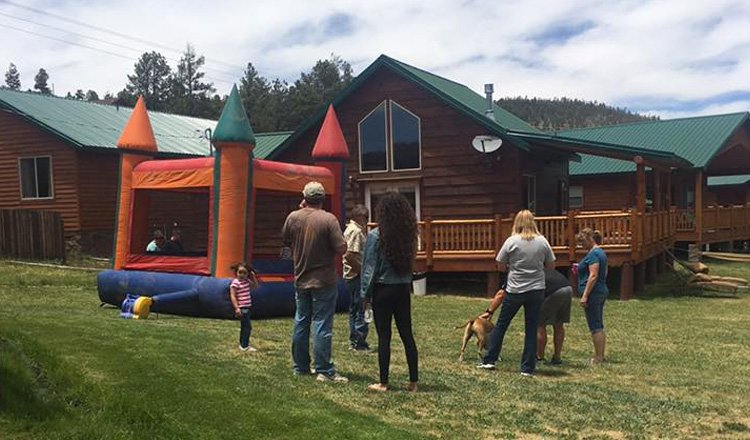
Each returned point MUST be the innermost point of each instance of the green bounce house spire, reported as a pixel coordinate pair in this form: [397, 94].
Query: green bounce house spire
[233, 125]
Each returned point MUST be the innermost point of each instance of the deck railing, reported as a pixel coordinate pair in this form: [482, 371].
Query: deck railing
[724, 222]
[627, 232]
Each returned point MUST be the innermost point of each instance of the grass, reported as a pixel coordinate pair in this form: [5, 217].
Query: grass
[679, 368]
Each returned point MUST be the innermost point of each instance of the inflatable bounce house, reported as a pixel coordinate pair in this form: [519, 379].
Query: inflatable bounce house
[229, 208]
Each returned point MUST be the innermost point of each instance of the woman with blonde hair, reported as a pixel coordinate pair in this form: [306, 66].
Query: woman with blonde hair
[592, 283]
[524, 256]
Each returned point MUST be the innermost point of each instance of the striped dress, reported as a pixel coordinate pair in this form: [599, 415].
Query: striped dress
[242, 287]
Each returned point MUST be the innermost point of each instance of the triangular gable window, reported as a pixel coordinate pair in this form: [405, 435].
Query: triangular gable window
[390, 139]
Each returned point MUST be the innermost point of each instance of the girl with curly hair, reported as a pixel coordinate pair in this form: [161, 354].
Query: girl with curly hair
[386, 277]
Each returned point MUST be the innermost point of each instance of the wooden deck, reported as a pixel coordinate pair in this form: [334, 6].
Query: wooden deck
[718, 224]
[630, 238]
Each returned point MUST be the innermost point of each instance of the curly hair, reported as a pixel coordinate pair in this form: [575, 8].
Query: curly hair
[397, 224]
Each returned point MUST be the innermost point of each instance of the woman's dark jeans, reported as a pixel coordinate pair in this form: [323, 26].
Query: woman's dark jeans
[393, 301]
[532, 305]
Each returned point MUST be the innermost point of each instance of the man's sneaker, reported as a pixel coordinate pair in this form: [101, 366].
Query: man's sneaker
[364, 349]
[525, 374]
[244, 348]
[486, 366]
[335, 378]
[555, 361]
[251, 349]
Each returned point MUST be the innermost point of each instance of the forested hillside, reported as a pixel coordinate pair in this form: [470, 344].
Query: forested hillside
[565, 113]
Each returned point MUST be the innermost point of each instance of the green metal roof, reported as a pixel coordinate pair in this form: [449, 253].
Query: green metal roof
[460, 95]
[743, 179]
[600, 165]
[91, 125]
[456, 95]
[697, 139]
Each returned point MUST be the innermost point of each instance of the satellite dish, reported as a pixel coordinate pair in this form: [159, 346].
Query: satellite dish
[485, 143]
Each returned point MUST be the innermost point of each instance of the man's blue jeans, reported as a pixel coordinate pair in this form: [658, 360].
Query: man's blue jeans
[358, 328]
[314, 307]
[532, 304]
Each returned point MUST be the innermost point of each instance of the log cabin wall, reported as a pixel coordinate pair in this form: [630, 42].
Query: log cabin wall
[455, 181]
[97, 195]
[271, 209]
[727, 195]
[606, 192]
[20, 138]
[551, 176]
[734, 158]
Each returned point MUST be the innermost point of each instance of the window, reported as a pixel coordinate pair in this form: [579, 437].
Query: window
[389, 138]
[36, 177]
[372, 141]
[575, 197]
[374, 191]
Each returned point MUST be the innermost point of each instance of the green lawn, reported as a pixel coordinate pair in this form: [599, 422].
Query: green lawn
[679, 368]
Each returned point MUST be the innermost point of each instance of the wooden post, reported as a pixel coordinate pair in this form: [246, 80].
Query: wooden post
[498, 232]
[626, 281]
[640, 182]
[493, 283]
[668, 192]
[640, 278]
[658, 196]
[651, 270]
[428, 245]
[699, 207]
[571, 237]
[661, 263]
[635, 220]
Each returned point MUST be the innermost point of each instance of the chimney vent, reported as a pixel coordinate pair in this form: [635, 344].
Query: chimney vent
[489, 111]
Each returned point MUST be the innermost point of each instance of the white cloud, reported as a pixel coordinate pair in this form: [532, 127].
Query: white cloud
[630, 52]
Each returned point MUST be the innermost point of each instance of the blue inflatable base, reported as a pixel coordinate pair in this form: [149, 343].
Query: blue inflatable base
[193, 295]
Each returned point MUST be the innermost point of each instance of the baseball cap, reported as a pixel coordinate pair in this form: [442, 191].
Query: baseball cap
[314, 190]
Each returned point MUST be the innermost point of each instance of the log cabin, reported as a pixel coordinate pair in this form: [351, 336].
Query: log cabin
[709, 198]
[412, 131]
[60, 154]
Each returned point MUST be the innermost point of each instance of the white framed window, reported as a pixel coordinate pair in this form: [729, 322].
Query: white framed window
[410, 190]
[575, 197]
[390, 138]
[373, 141]
[35, 177]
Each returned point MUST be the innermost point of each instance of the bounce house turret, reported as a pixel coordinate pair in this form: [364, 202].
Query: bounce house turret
[331, 152]
[233, 187]
[137, 144]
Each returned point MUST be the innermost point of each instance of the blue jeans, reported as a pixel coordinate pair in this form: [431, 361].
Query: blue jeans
[532, 305]
[316, 307]
[358, 328]
[595, 312]
[245, 327]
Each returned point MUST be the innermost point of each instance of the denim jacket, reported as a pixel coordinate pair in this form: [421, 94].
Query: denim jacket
[376, 269]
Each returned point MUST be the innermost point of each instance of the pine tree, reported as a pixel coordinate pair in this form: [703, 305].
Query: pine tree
[91, 96]
[190, 95]
[40, 82]
[13, 78]
[150, 79]
[315, 89]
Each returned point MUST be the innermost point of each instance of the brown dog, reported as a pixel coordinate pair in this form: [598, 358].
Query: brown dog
[479, 327]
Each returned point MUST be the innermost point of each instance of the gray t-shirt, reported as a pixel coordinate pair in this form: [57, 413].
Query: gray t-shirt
[525, 260]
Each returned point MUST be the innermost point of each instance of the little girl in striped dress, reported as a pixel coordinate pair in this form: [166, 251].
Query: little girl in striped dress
[240, 294]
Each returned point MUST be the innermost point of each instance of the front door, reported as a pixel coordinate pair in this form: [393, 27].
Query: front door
[373, 192]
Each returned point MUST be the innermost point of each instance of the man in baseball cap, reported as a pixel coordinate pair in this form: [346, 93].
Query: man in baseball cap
[315, 239]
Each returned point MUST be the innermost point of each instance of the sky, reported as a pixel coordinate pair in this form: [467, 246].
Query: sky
[672, 58]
